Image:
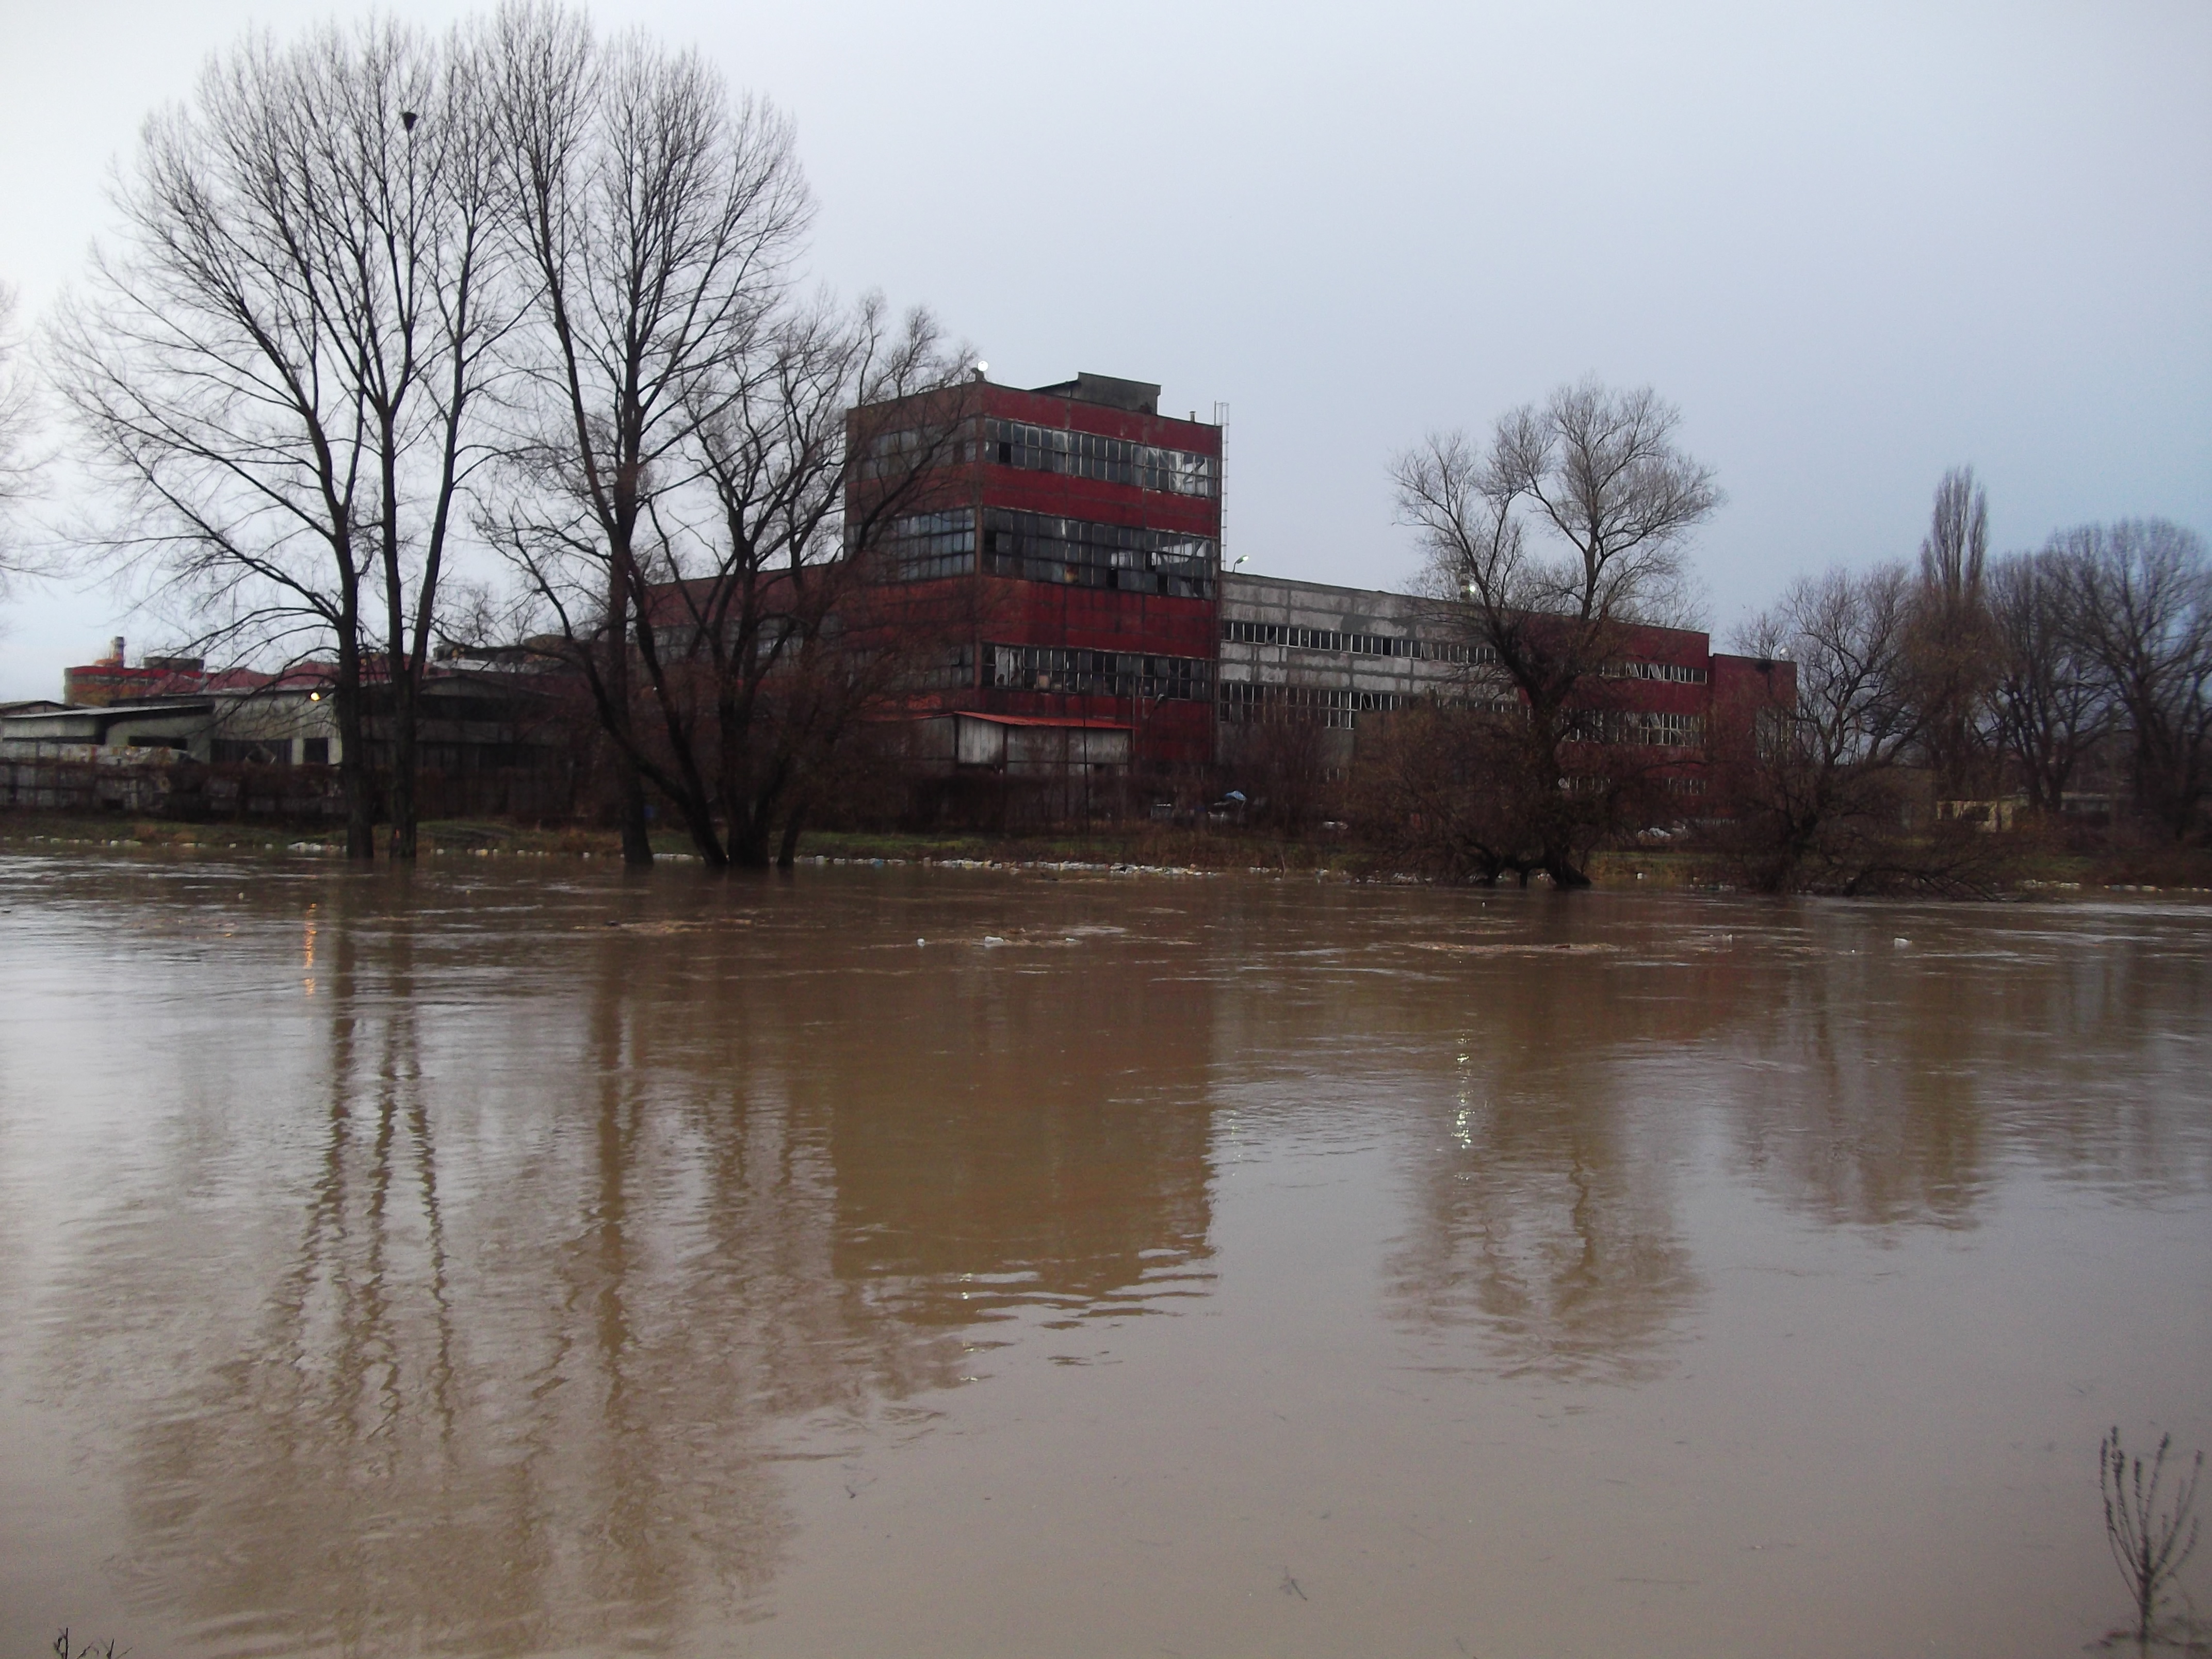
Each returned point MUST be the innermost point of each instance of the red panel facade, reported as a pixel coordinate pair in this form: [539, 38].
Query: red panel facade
[1082, 639]
[1725, 694]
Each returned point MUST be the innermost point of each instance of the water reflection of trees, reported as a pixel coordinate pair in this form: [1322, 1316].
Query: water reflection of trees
[1544, 1206]
[476, 1417]
[499, 1346]
[1884, 1088]
[1028, 1138]
[486, 1278]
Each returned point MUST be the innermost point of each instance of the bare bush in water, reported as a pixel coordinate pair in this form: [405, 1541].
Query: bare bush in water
[2150, 1547]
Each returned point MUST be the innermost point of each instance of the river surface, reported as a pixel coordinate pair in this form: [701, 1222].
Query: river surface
[517, 1259]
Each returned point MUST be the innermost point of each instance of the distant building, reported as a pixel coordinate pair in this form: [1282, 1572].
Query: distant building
[112, 679]
[487, 740]
[1335, 656]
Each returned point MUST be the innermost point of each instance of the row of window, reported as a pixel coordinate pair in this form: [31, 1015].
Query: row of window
[1636, 726]
[1040, 547]
[906, 450]
[1131, 674]
[1681, 673]
[1116, 460]
[929, 546]
[1245, 700]
[1666, 730]
[1356, 645]
[1043, 449]
[1249, 700]
[1395, 645]
[1098, 673]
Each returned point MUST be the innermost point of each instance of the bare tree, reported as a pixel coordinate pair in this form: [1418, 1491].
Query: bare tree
[277, 365]
[788, 627]
[2150, 1544]
[2052, 702]
[1956, 549]
[1952, 645]
[1822, 791]
[18, 418]
[430, 229]
[1550, 545]
[1450, 787]
[2144, 600]
[657, 218]
[758, 650]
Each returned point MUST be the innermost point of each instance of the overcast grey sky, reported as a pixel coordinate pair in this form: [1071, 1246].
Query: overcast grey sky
[1856, 243]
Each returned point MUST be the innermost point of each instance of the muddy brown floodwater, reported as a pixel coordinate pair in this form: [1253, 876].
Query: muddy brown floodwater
[517, 1259]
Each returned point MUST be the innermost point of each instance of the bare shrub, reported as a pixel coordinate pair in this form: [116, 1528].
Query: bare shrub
[2149, 1544]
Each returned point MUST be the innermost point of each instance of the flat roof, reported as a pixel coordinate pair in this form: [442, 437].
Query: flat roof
[112, 711]
[1080, 721]
[1228, 576]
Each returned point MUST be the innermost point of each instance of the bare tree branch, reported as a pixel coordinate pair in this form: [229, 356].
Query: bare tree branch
[2143, 597]
[18, 420]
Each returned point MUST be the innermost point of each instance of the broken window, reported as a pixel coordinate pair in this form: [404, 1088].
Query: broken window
[1098, 673]
[929, 546]
[1114, 460]
[1040, 548]
[1352, 644]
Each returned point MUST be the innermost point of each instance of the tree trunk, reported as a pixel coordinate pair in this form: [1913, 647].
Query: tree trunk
[404, 707]
[636, 840]
[787, 854]
[699, 820]
[354, 779]
[1562, 871]
[748, 842]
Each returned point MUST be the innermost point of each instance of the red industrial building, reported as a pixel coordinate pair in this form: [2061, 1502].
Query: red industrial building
[1075, 532]
[1060, 548]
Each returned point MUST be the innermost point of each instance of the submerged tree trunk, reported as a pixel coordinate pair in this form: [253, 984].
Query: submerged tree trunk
[400, 801]
[630, 783]
[356, 781]
[749, 843]
[636, 835]
[1563, 871]
[787, 854]
[699, 821]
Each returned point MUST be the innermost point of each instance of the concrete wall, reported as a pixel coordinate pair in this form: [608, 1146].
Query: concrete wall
[1337, 655]
[1334, 655]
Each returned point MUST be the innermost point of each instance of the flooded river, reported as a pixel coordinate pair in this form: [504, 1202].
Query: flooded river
[517, 1259]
